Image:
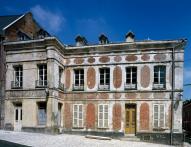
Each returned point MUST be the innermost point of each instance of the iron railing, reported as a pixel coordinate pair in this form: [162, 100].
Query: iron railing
[130, 86]
[16, 84]
[41, 83]
[103, 87]
[77, 87]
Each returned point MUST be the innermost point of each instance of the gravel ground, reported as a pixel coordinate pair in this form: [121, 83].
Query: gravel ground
[66, 140]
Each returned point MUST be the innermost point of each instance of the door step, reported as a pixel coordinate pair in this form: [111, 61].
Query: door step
[130, 137]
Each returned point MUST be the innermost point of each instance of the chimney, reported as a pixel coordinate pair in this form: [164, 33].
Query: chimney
[103, 39]
[80, 41]
[130, 37]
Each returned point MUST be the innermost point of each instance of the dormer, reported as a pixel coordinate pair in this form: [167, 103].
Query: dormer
[103, 39]
[21, 36]
[130, 37]
[80, 40]
[42, 34]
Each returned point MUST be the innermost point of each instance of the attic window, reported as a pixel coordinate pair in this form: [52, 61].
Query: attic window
[42, 34]
[22, 36]
[103, 39]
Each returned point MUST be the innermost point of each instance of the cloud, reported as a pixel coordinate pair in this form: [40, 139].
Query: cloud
[52, 21]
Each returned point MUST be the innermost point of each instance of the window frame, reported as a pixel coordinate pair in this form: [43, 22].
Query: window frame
[78, 119]
[159, 116]
[18, 78]
[129, 75]
[80, 75]
[105, 74]
[104, 122]
[159, 72]
[44, 75]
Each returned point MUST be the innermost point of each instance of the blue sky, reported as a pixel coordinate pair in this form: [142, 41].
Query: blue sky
[162, 19]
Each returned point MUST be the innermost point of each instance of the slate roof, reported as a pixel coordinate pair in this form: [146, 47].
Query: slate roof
[6, 20]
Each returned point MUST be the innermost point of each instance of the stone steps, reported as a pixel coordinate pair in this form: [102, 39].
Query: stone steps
[130, 138]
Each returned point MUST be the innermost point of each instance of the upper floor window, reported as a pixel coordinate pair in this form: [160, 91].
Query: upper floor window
[78, 115]
[18, 77]
[103, 116]
[104, 78]
[61, 85]
[159, 116]
[42, 76]
[21, 36]
[78, 79]
[159, 77]
[131, 78]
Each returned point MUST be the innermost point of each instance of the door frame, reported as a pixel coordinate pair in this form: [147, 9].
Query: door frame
[134, 105]
[18, 107]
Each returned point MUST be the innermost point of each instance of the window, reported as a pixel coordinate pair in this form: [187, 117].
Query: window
[159, 76]
[131, 78]
[104, 78]
[78, 79]
[42, 76]
[42, 113]
[18, 77]
[159, 116]
[21, 36]
[78, 115]
[61, 85]
[103, 116]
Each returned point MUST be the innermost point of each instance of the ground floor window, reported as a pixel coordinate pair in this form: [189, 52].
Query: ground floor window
[103, 116]
[42, 113]
[77, 115]
[159, 115]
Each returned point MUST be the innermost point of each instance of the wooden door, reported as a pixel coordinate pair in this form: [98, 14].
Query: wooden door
[130, 114]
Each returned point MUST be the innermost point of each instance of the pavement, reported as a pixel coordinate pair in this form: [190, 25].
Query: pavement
[67, 140]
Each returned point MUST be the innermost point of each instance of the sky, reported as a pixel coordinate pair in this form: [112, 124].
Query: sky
[148, 19]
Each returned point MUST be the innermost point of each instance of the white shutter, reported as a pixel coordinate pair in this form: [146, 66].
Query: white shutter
[156, 113]
[161, 116]
[78, 115]
[100, 117]
[106, 116]
[80, 123]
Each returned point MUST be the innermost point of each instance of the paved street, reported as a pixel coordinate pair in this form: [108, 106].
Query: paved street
[65, 140]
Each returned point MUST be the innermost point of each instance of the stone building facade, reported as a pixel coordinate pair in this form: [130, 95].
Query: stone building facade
[15, 28]
[113, 89]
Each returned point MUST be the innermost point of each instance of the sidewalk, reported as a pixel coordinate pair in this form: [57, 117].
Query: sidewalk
[66, 140]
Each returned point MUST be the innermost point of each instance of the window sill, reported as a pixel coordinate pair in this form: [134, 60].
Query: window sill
[103, 128]
[159, 129]
[77, 127]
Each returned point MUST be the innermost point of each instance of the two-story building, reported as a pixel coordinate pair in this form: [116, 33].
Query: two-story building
[15, 28]
[113, 89]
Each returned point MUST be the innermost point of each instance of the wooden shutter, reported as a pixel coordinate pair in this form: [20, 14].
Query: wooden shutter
[161, 116]
[156, 114]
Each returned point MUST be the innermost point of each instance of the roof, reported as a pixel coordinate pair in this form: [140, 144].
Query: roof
[7, 20]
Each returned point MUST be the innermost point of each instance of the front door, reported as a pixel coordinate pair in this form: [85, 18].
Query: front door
[18, 119]
[130, 115]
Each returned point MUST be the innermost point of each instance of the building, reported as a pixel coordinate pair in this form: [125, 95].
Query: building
[187, 116]
[15, 28]
[112, 89]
